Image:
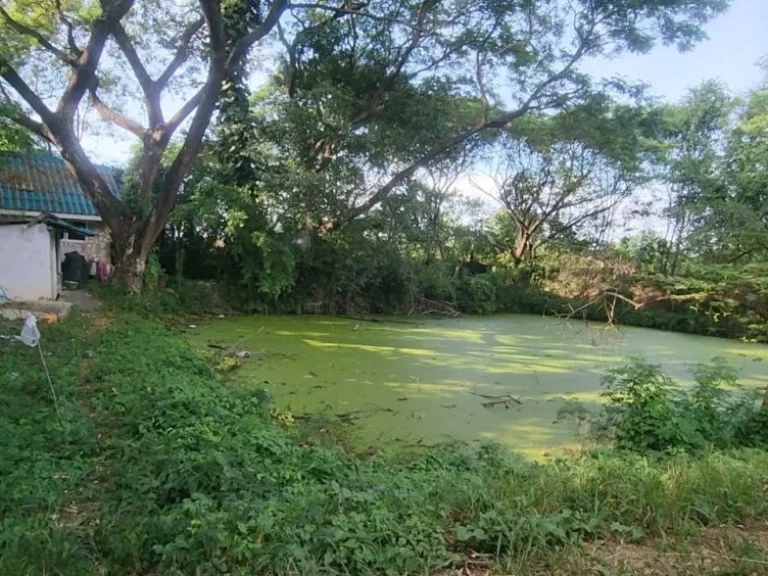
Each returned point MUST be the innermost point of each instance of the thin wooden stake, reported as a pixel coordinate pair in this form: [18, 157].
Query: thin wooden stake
[50, 382]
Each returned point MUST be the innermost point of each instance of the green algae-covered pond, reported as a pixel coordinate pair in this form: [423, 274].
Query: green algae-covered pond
[413, 382]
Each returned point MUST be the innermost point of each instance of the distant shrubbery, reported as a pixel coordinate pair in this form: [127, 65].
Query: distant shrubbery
[349, 274]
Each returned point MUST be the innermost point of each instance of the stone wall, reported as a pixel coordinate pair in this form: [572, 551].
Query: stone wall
[96, 249]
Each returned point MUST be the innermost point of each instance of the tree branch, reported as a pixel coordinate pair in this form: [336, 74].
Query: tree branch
[403, 175]
[13, 113]
[85, 69]
[481, 85]
[344, 11]
[185, 111]
[205, 101]
[182, 52]
[37, 37]
[440, 148]
[245, 43]
[116, 118]
[402, 60]
[129, 51]
[27, 94]
[290, 48]
[148, 86]
[73, 47]
[111, 209]
[586, 216]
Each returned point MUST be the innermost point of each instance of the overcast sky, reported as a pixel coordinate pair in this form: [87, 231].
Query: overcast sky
[738, 40]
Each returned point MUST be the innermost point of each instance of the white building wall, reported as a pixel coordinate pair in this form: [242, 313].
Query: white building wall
[28, 263]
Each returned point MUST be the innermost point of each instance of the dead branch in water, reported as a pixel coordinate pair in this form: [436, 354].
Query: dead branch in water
[607, 300]
[378, 320]
[427, 307]
[493, 400]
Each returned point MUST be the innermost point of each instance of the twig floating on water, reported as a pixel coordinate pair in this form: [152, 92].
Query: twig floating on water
[497, 399]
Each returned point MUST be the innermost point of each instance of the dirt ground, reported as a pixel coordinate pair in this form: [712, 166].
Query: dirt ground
[80, 299]
[721, 551]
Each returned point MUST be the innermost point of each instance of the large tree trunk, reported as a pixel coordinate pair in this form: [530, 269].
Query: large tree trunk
[131, 249]
[133, 239]
[129, 272]
[522, 245]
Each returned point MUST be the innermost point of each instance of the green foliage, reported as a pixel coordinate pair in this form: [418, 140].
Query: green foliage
[177, 298]
[723, 301]
[277, 263]
[643, 411]
[13, 138]
[436, 282]
[358, 107]
[158, 466]
[153, 273]
[45, 461]
[349, 273]
[345, 137]
[648, 411]
[477, 293]
[712, 145]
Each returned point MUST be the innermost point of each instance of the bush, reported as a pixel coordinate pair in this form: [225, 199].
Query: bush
[435, 282]
[647, 411]
[178, 297]
[477, 294]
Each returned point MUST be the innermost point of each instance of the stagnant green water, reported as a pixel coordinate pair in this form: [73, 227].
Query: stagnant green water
[417, 382]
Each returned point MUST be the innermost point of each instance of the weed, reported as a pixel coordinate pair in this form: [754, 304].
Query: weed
[646, 410]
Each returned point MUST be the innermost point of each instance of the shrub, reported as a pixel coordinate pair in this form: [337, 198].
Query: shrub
[644, 410]
[435, 282]
[477, 293]
[178, 297]
[647, 411]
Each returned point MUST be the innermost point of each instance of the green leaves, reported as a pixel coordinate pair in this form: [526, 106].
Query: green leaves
[711, 160]
[14, 138]
[648, 411]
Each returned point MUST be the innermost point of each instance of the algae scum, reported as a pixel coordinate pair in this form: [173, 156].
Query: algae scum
[414, 382]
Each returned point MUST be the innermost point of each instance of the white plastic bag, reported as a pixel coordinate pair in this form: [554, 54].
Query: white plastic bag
[30, 335]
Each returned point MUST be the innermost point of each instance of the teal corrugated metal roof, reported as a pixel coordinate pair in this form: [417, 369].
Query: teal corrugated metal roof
[37, 183]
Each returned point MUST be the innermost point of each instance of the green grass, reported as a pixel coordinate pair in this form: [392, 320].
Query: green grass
[159, 466]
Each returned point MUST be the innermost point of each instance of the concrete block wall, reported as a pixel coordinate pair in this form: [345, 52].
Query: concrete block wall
[98, 248]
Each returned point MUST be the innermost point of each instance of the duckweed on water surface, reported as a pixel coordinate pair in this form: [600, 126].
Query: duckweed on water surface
[415, 381]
